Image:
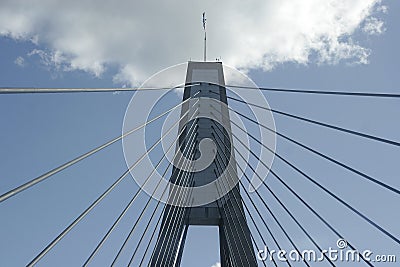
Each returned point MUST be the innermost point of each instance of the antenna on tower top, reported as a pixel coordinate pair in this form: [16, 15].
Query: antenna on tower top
[205, 36]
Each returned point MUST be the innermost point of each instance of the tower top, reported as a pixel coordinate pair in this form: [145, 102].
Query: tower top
[205, 36]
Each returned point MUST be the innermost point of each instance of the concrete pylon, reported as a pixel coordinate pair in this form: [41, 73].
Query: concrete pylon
[206, 79]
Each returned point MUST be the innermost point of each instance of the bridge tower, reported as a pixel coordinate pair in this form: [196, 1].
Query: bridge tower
[227, 212]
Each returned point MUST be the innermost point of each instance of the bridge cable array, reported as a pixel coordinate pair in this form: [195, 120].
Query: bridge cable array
[314, 182]
[317, 92]
[187, 178]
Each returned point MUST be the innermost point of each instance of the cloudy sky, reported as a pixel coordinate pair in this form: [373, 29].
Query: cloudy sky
[138, 38]
[311, 44]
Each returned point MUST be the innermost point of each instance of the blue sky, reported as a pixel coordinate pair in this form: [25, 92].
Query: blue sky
[42, 131]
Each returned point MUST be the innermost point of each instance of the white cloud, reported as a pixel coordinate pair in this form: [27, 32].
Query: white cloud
[382, 8]
[217, 265]
[50, 59]
[20, 61]
[141, 37]
[374, 26]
